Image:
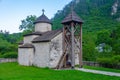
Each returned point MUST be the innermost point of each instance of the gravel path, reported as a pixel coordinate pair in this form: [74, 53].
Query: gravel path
[99, 72]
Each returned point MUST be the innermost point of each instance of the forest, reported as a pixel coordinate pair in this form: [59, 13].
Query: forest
[101, 31]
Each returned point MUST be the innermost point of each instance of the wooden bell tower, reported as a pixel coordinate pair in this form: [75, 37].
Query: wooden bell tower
[72, 40]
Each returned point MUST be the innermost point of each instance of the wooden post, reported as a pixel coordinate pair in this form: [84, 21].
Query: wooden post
[80, 55]
[63, 37]
[72, 46]
[63, 46]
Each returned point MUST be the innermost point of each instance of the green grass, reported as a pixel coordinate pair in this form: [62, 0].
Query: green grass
[13, 71]
[102, 69]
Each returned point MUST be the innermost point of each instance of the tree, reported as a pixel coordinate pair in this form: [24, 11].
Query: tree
[89, 52]
[103, 37]
[115, 35]
[27, 24]
[8, 44]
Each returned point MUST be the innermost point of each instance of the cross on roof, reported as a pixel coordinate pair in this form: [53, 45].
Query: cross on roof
[43, 11]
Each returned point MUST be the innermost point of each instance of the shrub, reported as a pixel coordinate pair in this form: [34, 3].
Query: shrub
[10, 55]
[111, 62]
[0, 55]
[116, 59]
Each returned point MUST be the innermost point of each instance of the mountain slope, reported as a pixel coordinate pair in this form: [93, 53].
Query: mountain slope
[101, 22]
[97, 14]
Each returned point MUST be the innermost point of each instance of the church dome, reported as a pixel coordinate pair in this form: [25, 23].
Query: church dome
[43, 19]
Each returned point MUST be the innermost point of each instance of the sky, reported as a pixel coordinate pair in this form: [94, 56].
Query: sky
[13, 11]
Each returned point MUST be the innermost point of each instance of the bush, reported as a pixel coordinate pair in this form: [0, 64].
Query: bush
[105, 62]
[10, 55]
[111, 62]
[0, 55]
[116, 59]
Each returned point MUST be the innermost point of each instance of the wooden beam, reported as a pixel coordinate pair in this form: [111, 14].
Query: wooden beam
[80, 54]
[72, 46]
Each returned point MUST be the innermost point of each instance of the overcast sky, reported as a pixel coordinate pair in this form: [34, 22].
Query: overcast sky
[13, 11]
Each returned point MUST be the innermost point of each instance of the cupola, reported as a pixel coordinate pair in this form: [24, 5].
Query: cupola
[42, 23]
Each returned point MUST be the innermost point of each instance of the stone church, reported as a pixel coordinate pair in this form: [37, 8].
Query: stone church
[44, 46]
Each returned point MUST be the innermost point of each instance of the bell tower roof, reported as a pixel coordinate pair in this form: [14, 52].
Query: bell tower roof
[43, 18]
[72, 17]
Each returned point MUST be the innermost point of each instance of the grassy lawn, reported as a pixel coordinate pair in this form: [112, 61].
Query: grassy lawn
[13, 71]
[102, 69]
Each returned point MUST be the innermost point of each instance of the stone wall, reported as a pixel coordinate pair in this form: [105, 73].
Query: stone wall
[28, 39]
[3, 60]
[55, 50]
[41, 57]
[42, 27]
[25, 56]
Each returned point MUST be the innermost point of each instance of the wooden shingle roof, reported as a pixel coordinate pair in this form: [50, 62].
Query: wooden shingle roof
[47, 36]
[27, 45]
[43, 18]
[34, 33]
[72, 17]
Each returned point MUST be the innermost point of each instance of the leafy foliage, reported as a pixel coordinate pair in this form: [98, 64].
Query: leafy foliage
[8, 44]
[27, 24]
[10, 55]
[111, 62]
[104, 37]
[89, 52]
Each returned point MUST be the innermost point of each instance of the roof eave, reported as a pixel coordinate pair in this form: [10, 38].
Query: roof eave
[41, 41]
[42, 22]
[66, 22]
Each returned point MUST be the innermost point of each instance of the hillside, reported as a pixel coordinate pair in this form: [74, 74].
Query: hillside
[97, 14]
[101, 27]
